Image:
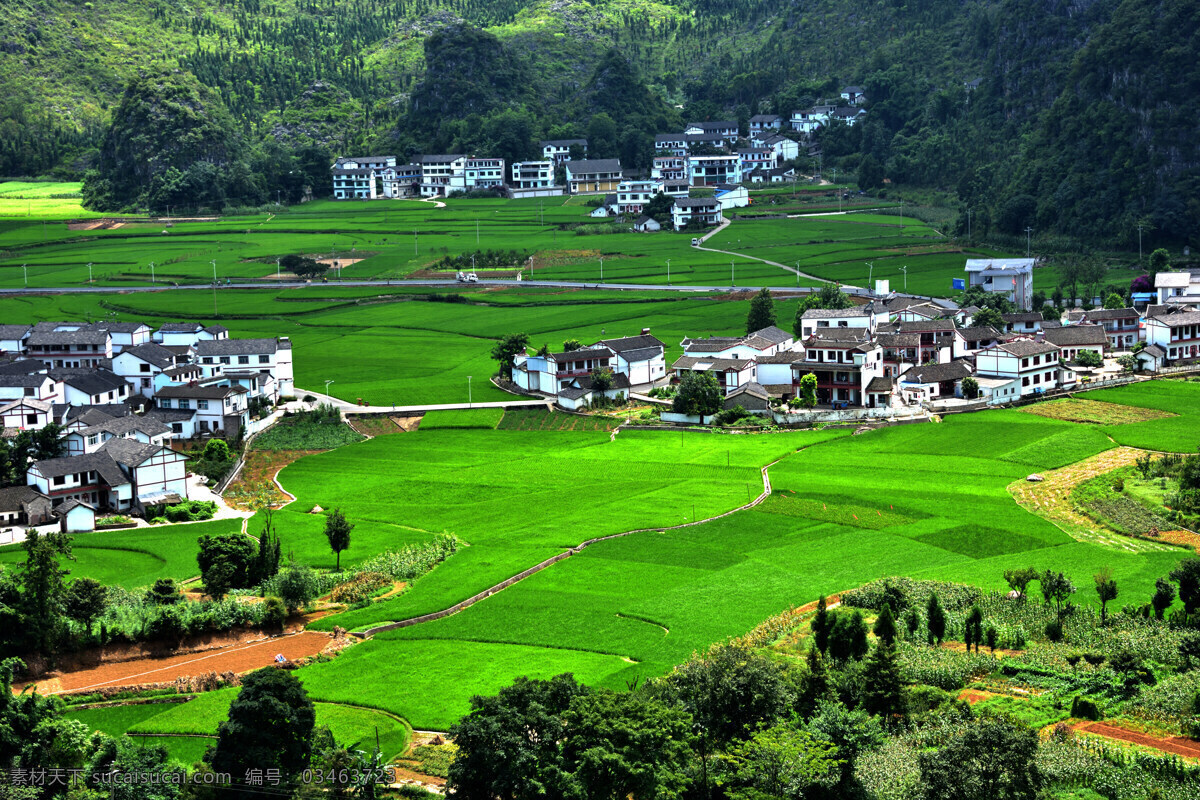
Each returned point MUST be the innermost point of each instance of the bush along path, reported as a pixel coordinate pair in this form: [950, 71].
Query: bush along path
[470, 601]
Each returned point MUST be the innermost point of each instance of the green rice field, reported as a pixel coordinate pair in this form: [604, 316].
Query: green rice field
[923, 500]
[135, 557]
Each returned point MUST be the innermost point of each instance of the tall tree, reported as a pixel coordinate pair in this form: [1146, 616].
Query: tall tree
[337, 531]
[1106, 589]
[505, 350]
[992, 759]
[973, 628]
[821, 622]
[935, 619]
[85, 600]
[1164, 596]
[779, 762]
[43, 588]
[762, 311]
[698, 394]
[883, 686]
[270, 726]
[1187, 575]
[885, 625]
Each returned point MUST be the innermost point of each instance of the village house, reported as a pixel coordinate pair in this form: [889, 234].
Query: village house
[141, 364]
[29, 386]
[12, 338]
[581, 392]
[146, 430]
[437, 170]
[1027, 322]
[899, 352]
[263, 355]
[554, 371]
[764, 342]
[644, 224]
[1028, 366]
[1180, 288]
[25, 414]
[590, 176]
[814, 319]
[726, 129]
[785, 149]
[1010, 277]
[729, 372]
[712, 170]
[559, 150]
[477, 173]
[937, 338]
[607, 207]
[401, 181]
[126, 334]
[669, 168]
[1176, 332]
[123, 475]
[969, 341]
[847, 115]
[752, 397]
[24, 505]
[356, 178]
[845, 361]
[187, 334]
[703, 211]
[757, 158]
[810, 120]
[731, 196]
[220, 410]
[934, 381]
[765, 122]
[633, 196]
[675, 188]
[1074, 339]
[775, 371]
[533, 179]
[92, 387]
[1121, 325]
[69, 344]
[671, 144]
[641, 358]
[853, 95]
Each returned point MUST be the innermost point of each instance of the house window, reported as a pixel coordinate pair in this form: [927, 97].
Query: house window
[1025, 381]
[1037, 379]
[164, 402]
[1024, 363]
[208, 360]
[1037, 360]
[60, 480]
[93, 439]
[202, 405]
[185, 403]
[264, 359]
[243, 359]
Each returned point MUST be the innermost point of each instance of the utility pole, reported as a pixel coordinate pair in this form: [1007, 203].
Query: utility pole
[415, 251]
[1028, 232]
[602, 270]
[732, 282]
[870, 273]
[152, 272]
[469, 402]
[1139, 243]
[214, 266]
[968, 224]
[668, 272]
[797, 274]
[905, 270]
[277, 273]
[25, 272]
[89, 272]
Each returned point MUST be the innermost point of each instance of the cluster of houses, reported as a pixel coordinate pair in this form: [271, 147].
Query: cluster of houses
[890, 352]
[121, 392]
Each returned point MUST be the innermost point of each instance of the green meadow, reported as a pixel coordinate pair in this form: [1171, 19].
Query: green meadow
[923, 500]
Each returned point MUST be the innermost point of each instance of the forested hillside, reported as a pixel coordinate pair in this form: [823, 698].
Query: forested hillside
[1075, 117]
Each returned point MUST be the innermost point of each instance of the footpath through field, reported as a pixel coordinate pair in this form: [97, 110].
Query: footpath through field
[345, 405]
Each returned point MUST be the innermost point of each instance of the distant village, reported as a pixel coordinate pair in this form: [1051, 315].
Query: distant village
[121, 393]
[703, 154]
[898, 353]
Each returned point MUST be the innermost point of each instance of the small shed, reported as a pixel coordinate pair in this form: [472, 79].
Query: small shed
[644, 224]
[76, 516]
[1151, 358]
[24, 505]
[750, 396]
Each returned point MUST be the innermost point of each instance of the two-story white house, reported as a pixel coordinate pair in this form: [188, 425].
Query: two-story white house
[765, 122]
[1027, 367]
[633, 196]
[438, 170]
[187, 334]
[146, 430]
[1121, 325]
[814, 319]
[1074, 339]
[669, 168]
[533, 179]
[701, 210]
[401, 181]
[846, 362]
[25, 414]
[1010, 277]
[639, 357]
[725, 129]
[711, 170]
[1175, 332]
[69, 344]
[96, 387]
[559, 150]
[1180, 288]
[139, 365]
[220, 410]
[263, 355]
[12, 338]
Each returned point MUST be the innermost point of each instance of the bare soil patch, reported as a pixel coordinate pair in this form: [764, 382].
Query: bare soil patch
[383, 425]
[1074, 409]
[1178, 745]
[237, 659]
[95, 225]
[259, 470]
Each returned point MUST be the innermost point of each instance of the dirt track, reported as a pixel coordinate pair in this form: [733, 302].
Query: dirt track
[238, 659]
[1188, 748]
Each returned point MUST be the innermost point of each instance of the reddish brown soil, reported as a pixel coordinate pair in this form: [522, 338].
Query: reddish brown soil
[238, 659]
[1188, 748]
[259, 471]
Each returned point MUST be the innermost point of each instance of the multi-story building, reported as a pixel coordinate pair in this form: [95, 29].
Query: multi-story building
[669, 168]
[220, 410]
[1074, 339]
[437, 171]
[711, 170]
[633, 196]
[593, 176]
[478, 173]
[401, 181]
[559, 150]
[1180, 288]
[528, 175]
[757, 158]
[1175, 331]
[69, 344]
[1122, 325]
[765, 122]
[1028, 366]
[353, 183]
[261, 355]
[139, 365]
[814, 320]
[727, 130]
[1010, 277]
[845, 361]
[701, 210]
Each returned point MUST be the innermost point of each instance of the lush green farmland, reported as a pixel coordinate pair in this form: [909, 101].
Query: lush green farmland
[137, 556]
[41, 201]
[926, 500]
[409, 352]
[392, 239]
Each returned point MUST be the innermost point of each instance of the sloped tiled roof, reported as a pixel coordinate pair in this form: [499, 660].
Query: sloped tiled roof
[1073, 335]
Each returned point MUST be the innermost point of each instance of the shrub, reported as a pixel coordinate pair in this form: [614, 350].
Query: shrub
[362, 587]
[274, 612]
[1054, 630]
[296, 585]
[1083, 708]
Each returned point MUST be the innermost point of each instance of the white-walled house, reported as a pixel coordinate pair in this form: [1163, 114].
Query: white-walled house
[846, 363]
[30, 386]
[1034, 366]
[1010, 277]
[729, 372]
[559, 150]
[634, 196]
[854, 317]
[96, 387]
[69, 344]
[127, 334]
[219, 409]
[25, 414]
[704, 210]
[477, 173]
[1027, 322]
[764, 342]
[726, 129]
[187, 334]
[765, 122]
[641, 358]
[1121, 325]
[669, 168]
[93, 478]
[12, 338]
[712, 170]
[934, 381]
[533, 179]
[1178, 287]
[732, 196]
[590, 176]
[146, 430]
[139, 365]
[264, 355]
[1177, 333]
[1074, 339]
[437, 171]
[969, 341]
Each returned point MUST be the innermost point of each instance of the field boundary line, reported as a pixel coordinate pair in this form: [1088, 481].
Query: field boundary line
[536, 568]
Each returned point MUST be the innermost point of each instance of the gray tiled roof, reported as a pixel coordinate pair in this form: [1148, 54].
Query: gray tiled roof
[1072, 335]
[1110, 313]
[91, 382]
[236, 347]
[697, 202]
[181, 327]
[14, 497]
[936, 373]
[152, 353]
[627, 343]
[582, 354]
[200, 392]
[718, 364]
[129, 452]
[99, 462]
[836, 313]
[1027, 347]
[588, 166]
[87, 335]
[119, 426]
[753, 389]
[978, 333]
[10, 332]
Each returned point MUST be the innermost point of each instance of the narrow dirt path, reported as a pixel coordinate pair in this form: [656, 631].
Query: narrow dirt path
[1051, 499]
[1177, 745]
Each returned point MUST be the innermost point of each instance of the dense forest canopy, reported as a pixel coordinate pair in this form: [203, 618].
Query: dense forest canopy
[1015, 104]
